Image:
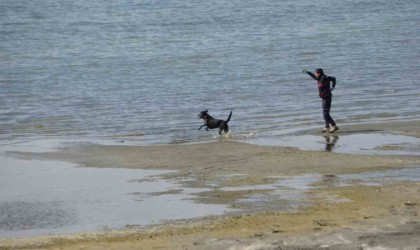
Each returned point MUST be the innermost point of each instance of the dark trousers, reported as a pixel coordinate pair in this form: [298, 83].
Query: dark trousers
[326, 106]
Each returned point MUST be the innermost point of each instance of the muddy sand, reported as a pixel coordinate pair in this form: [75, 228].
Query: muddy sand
[329, 213]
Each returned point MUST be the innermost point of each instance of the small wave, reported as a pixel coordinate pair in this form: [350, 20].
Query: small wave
[236, 136]
[130, 135]
[372, 116]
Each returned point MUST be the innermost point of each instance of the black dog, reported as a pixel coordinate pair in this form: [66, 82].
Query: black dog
[211, 123]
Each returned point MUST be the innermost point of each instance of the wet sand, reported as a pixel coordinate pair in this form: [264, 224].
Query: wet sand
[352, 216]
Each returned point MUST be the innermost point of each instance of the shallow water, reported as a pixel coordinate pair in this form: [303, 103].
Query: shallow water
[289, 193]
[55, 197]
[373, 143]
[52, 197]
[146, 68]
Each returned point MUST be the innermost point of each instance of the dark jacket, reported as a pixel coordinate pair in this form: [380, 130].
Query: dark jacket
[324, 86]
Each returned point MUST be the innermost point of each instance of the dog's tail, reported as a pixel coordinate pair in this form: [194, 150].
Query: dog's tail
[228, 119]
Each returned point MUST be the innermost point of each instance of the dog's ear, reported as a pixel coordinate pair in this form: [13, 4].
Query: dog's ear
[206, 111]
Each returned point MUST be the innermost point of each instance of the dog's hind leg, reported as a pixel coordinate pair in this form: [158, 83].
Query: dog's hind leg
[223, 127]
[226, 129]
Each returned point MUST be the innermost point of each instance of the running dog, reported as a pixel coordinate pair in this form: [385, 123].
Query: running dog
[212, 123]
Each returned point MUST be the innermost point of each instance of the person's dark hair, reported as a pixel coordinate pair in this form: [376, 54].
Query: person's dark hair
[320, 71]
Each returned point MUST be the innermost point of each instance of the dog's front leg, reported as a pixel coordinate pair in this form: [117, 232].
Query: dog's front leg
[201, 126]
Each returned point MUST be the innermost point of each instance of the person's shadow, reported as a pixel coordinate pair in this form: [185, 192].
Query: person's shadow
[330, 141]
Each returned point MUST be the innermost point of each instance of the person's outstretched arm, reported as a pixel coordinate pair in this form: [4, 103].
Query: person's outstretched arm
[310, 73]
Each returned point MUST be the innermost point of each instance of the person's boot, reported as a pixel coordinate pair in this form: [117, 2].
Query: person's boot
[333, 129]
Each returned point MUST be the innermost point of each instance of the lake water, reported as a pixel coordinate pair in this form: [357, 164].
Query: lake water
[139, 71]
[146, 68]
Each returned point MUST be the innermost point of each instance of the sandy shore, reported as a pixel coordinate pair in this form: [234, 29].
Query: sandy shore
[331, 216]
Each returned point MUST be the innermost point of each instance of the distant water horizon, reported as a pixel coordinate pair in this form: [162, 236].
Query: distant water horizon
[144, 69]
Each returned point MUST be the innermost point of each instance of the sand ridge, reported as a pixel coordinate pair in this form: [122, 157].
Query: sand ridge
[352, 216]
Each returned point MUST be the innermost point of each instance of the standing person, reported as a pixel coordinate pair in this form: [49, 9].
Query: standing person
[325, 89]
